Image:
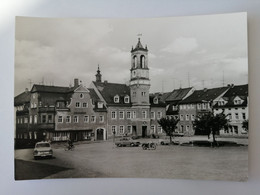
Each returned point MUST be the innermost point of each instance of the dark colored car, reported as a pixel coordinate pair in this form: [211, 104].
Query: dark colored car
[126, 141]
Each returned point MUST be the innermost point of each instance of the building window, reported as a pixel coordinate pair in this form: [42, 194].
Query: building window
[35, 119]
[159, 115]
[114, 130]
[230, 116]
[49, 118]
[129, 129]
[236, 116]
[203, 106]
[152, 129]
[60, 119]
[84, 104]
[180, 107]
[187, 117]
[76, 119]
[121, 129]
[159, 129]
[121, 114]
[81, 96]
[35, 135]
[155, 100]
[25, 120]
[143, 93]
[244, 116]
[152, 115]
[128, 115]
[100, 104]
[93, 119]
[187, 128]
[113, 115]
[181, 117]
[192, 117]
[134, 114]
[44, 119]
[101, 118]
[30, 135]
[134, 94]
[199, 106]
[116, 99]
[68, 119]
[77, 104]
[86, 119]
[144, 114]
[126, 99]
[182, 128]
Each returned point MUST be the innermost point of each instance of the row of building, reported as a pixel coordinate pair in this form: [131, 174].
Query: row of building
[104, 110]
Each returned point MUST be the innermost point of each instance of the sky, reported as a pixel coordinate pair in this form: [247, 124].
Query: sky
[199, 51]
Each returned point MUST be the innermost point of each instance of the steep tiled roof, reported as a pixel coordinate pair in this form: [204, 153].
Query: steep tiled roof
[22, 98]
[110, 90]
[51, 89]
[93, 94]
[178, 94]
[238, 90]
[204, 95]
[160, 102]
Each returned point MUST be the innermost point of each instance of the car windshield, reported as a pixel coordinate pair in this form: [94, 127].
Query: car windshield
[43, 145]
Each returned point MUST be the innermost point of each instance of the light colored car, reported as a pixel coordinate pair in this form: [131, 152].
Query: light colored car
[166, 141]
[126, 141]
[42, 149]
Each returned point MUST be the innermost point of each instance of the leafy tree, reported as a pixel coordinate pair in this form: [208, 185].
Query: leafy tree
[168, 125]
[245, 125]
[210, 124]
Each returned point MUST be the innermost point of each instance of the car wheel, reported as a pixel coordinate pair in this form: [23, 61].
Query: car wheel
[162, 143]
[35, 157]
[119, 145]
[132, 144]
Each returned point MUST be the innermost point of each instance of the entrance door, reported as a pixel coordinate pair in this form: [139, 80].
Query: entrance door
[100, 134]
[134, 131]
[144, 131]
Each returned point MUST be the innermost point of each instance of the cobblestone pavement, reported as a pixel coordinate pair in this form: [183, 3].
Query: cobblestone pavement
[104, 159]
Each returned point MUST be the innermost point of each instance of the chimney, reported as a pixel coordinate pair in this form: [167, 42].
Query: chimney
[76, 82]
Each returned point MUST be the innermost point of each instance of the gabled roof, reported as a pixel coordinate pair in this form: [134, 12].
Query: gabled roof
[52, 89]
[204, 95]
[110, 90]
[22, 98]
[93, 94]
[178, 94]
[238, 90]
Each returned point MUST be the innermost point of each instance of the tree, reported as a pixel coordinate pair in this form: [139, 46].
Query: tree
[245, 125]
[168, 125]
[210, 124]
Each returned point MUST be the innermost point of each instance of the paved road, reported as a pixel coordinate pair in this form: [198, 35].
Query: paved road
[105, 160]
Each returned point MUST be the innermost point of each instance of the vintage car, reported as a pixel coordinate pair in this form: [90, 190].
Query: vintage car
[126, 141]
[42, 149]
[166, 141]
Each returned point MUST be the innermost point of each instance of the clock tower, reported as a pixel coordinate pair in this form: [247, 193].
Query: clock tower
[139, 77]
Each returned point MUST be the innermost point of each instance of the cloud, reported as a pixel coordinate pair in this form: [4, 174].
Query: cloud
[182, 45]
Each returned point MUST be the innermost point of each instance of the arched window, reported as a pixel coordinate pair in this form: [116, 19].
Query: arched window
[142, 60]
[135, 62]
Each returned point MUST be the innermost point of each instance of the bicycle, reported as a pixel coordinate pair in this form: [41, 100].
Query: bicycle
[69, 147]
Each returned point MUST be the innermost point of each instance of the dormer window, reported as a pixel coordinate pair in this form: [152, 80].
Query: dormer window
[237, 102]
[126, 99]
[155, 100]
[116, 99]
[100, 104]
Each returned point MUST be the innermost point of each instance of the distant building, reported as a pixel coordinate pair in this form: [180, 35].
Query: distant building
[100, 112]
[199, 102]
[234, 103]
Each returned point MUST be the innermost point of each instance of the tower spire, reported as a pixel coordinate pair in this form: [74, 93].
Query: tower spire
[98, 75]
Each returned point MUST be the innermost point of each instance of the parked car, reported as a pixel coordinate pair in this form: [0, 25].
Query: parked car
[42, 149]
[177, 134]
[126, 141]
[166, 141]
